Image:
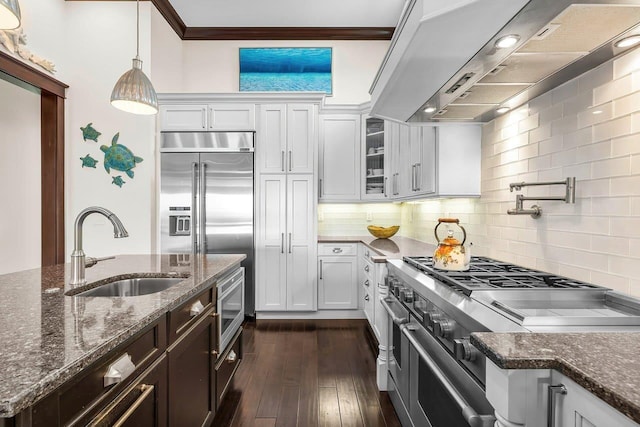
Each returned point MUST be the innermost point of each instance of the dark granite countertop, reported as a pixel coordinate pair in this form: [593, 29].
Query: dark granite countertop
[48, 337]
[394, 248]
[604, 363]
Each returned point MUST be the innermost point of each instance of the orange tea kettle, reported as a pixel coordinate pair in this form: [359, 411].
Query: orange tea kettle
[450, 253]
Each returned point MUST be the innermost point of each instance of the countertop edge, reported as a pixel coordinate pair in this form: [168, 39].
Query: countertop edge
[12, 407]
[400, 243]
[584, 380]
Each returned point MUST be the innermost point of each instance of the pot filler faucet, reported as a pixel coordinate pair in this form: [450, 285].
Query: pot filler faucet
[78, 261]
[535, 211]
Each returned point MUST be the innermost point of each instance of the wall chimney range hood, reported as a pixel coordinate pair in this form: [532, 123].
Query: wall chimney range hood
[463, 60]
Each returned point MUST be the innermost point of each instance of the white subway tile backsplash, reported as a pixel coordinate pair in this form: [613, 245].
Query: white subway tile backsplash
[625, 64]
[596, 77]
[591, 188]
[593, 152]
[551, 145]
[635, 164]
[615, 282]
[575, 139]
[612, 90]
[565, 91]
[529, 123]
[541, 132]
[611, 206]
[528, 151]
[625, 227]
[550, 114]
[612, 129]
[564, 158]
[578, 104]
[595, 115]
[626, 105]
[611, 167]
[625, 186]
[610, 245]
[564, 125]
[626, 145]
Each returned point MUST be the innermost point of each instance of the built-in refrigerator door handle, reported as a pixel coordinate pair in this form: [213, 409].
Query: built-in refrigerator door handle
[320, 188]
[289, 242]
[194, 207]
[282, 161]
[290, 156]
[418, 173]
[203, 208]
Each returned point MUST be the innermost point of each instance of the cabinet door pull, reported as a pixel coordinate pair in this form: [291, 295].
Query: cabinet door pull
[106, 418]
[281, 243]
[384, 187]
[366, 268]
[282, 161]
[320, 269]
[418, 173]
[232, 357]
[551, 403]
[320, 188]
[196, 309]
[289, 242]
[366, 282]
[290, 156]
[204, 116]
[366, 297]
[337, 250]
[119, 370]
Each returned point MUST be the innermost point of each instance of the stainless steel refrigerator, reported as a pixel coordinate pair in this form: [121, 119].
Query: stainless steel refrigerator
[207, 197]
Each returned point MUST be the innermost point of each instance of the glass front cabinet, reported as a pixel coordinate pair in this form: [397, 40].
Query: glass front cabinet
[375, 185]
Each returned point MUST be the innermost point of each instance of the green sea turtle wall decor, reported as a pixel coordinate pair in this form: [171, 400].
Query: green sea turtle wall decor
[88, 132]
[117, 180]
[88, 161]
[119, 157]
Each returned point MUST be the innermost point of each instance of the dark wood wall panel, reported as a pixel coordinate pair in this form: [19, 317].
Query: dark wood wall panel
[288, 33]
[34, 77]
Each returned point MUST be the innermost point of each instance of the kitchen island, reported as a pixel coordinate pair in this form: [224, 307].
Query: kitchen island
[603, 364]
[49, 338]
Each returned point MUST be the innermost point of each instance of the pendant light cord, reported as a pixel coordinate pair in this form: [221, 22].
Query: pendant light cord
[137, 29]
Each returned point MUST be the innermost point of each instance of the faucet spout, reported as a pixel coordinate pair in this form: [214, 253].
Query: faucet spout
[78, 255]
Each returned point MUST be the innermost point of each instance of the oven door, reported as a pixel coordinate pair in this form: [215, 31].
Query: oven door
[443, 393]
[398, 356]
[230, 308]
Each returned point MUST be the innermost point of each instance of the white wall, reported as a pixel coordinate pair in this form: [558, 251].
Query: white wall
[213, 66]
[92, 44]
[20, 226]
[588, 128]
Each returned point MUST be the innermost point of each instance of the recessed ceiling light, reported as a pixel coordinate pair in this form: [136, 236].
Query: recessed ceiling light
[507, 41]
[429, 110]
[502, 110]
[628, 41]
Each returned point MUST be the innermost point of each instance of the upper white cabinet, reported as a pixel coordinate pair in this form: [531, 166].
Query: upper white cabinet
[286, 138]
[203, 117]
[339, 157]
[230, 116]
[183, 117]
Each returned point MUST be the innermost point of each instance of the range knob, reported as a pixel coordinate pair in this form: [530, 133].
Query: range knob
[463, 350]
[407, 296]
[444, 328]
[432, 317]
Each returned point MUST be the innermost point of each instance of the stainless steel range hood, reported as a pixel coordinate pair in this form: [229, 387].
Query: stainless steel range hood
[556, 40]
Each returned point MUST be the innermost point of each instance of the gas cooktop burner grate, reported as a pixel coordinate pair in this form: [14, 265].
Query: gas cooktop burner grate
[486, 273]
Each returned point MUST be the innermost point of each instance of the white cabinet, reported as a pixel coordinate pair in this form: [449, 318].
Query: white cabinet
[375, 162]
[286, 244]
[337, 280]
[202, 117]
[286, 138]
[232, 117]
[339, 158]
[579, 408]
[183, 117]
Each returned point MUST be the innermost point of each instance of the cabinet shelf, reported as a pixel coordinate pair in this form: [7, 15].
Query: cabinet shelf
[375, 154]
[375, 176]
[380, 132]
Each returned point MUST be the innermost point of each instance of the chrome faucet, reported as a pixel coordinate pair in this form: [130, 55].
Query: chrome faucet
[78, 261]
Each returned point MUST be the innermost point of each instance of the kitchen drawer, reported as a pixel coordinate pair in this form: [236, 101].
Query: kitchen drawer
[338, 249]
[367, 267]
[367, 302]
[227, 366]
[366, 252]
[187, 314]
[82, 397]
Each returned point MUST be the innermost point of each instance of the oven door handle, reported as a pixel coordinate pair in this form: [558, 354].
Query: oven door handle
[470, 414]
[398, 320]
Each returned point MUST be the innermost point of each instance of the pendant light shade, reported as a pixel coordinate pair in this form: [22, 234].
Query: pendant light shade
[134, 92]
[9, 14]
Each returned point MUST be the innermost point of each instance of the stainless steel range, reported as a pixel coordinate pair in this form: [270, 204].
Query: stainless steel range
[435, 376]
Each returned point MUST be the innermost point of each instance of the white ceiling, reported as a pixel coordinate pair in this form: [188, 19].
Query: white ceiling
[288, 13]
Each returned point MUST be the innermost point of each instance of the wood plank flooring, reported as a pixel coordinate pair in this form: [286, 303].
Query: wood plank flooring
[306, 373]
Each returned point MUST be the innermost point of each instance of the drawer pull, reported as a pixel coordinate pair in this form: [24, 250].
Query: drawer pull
[337, 250]
[119, 370]
[106, 417]
[366, 268]
[196, 308]
[232, 357]
[366, 282]
[366, 297]
[366, 254]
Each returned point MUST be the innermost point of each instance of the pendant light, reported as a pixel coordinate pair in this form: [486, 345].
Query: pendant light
[134, 92]
[9, 14]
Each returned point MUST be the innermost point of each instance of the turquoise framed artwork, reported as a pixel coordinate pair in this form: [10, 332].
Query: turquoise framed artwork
[286, 69]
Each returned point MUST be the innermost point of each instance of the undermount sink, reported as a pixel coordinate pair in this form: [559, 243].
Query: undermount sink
[132, 287]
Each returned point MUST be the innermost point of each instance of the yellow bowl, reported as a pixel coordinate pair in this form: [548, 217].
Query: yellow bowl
[383, 232]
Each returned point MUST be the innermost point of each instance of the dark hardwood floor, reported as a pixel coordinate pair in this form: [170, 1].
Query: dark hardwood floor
[306, 373]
